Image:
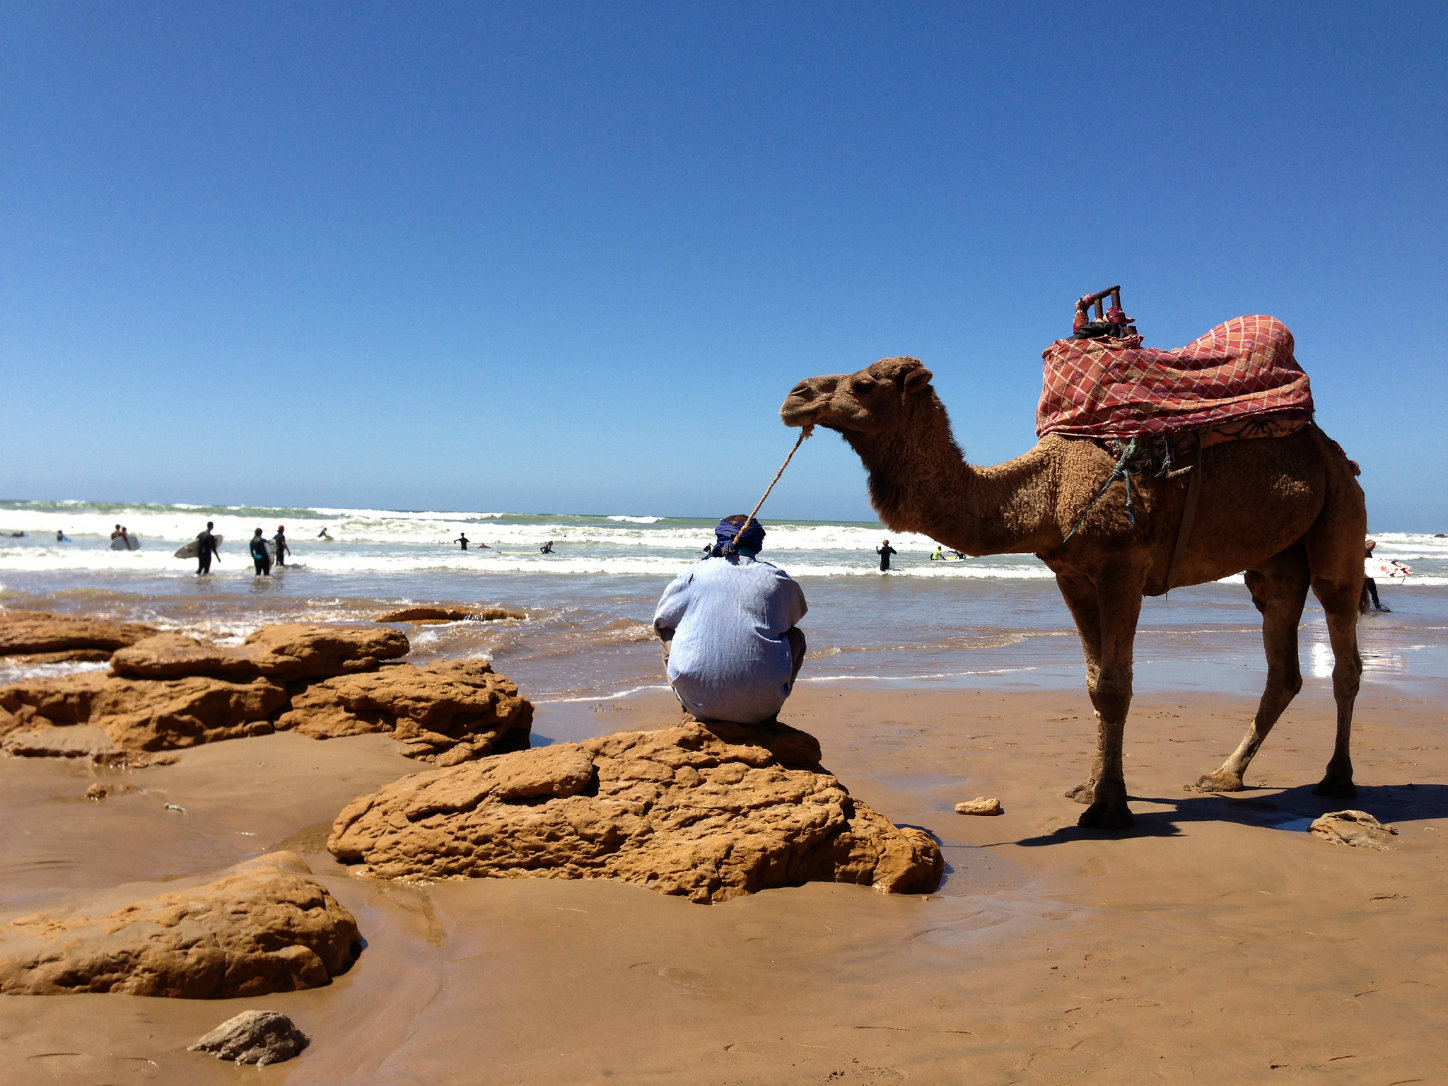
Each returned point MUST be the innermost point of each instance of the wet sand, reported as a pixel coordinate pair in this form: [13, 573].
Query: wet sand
[1217, 942]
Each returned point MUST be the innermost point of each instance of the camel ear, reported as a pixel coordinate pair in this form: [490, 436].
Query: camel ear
[917, 377]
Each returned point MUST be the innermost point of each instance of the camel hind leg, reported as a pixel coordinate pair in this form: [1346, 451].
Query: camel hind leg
[1339, 599]
[1279, 590]
[1335, 554]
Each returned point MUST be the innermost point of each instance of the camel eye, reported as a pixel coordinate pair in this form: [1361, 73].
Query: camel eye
[862, 384]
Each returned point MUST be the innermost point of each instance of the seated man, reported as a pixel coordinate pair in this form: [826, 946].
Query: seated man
[731, 647]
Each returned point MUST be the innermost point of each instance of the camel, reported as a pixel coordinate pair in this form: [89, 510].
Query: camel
[1285, 511]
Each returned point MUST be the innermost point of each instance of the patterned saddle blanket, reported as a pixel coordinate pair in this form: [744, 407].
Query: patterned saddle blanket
[1115, 388]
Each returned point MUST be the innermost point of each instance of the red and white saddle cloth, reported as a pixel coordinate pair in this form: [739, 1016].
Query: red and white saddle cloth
[1115, 388]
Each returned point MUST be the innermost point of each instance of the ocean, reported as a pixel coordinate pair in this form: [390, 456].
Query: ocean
[983, 622]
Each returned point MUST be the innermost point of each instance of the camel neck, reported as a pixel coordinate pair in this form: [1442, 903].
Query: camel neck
[920, 482]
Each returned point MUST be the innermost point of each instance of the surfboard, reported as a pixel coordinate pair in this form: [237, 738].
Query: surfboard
[126, 543]
[192, 549]
[1378, 570]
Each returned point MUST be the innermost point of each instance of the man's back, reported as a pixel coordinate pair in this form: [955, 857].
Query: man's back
[729, 658]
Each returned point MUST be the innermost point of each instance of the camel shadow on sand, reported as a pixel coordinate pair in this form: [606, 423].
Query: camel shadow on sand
[1291, 809]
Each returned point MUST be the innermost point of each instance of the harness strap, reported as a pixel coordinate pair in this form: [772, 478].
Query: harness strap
[1118, 472]
[1184, 526]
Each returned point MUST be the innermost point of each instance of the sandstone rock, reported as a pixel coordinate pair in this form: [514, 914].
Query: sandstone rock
[981, 805]
[139, 715]
[259, 1037]
[448, 712]
[459, 613]
[75, 741]
[43, 632]
[695, 810]
[266, 927]
[65, 699]
[170, 691]
[1356, 828]
[283, 653]
[64, 656]
[174, 713]
[175, 656]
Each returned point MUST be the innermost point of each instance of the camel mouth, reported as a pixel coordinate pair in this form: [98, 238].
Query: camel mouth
[805, 402]
[798, 414]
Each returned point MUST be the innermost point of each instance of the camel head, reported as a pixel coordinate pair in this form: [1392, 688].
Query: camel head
[876, 400]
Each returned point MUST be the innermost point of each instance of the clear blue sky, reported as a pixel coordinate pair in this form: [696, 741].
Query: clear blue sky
[569, 257]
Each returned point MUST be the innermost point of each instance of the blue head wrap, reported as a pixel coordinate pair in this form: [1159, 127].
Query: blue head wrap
[731, 542]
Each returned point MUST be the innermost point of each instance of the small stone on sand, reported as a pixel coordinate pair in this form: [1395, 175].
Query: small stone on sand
[980, 806]
[259, 1037]
[1356, 828]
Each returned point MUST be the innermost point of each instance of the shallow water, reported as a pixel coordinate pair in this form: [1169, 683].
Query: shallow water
[995, 621]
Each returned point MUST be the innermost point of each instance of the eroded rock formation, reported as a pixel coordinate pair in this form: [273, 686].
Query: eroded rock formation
[43, 637]
[268, 926]
[282, 653]
[138, 715]
[703, 811]
[170, 691]
[448, 711]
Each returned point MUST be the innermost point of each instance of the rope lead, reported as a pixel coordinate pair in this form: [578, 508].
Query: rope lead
[807, 431]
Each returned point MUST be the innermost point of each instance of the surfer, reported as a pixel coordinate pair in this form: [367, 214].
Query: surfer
[205, 548]
[547, 548]
[280, 539]
[462, 539]
[937, 555]
[1370, 586]
[884, 550]
[259, 555]
[60, 537]
[323, 535]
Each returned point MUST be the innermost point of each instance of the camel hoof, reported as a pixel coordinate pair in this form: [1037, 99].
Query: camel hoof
[1082, 793]
[1220, 782]
[1336, 789]
[1106, 816]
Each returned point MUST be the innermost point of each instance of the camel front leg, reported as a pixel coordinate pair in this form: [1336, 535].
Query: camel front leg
[1278, 590]
[1115, 597]
[1080, 597]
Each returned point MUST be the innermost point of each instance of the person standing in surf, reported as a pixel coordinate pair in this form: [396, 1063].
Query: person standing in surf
[205, 548]
[884, 550]
[259, 555]
[282, 550]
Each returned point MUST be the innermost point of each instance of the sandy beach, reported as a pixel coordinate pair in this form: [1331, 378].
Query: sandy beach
[1219, 941]
[383, 380]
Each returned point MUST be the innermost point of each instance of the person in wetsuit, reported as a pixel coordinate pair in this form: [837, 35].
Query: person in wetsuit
[205, 548]
[259, 555]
